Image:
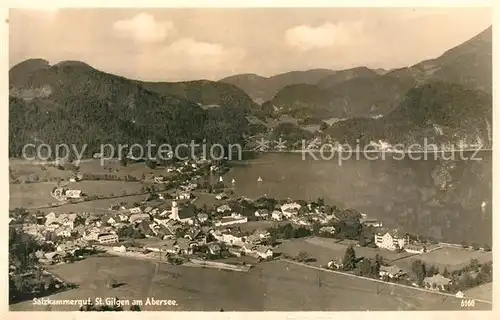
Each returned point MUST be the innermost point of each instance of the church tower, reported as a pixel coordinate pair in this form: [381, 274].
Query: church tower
[175, 211]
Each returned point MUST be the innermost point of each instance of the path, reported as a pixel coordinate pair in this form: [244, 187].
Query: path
[379, 281]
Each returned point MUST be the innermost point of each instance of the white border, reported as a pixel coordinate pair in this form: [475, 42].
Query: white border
[237, 315]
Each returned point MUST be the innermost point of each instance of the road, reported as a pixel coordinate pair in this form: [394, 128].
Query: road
[380, 281]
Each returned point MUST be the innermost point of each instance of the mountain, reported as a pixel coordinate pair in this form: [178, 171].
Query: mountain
[205, 93]
[437, 112]
[362, 92]
[469, 64]
[261, 89]
[73, 103]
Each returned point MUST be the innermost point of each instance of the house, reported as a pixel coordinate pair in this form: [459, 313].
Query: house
[258, 251]
[327, 230]
[90, 235]
[185, 246]
[228, 221]
[159, 179]
[290, 209]
[135, 210]
[73, 194]
[390, 241]
[121, 249]
[277, 215]
[214, 248]
[145, 228]
[107, 238]
[437, 282]
[262, 234]
[183, 195]
[261, 213]
[160, 196]
[123, 217]
[234, 251]
[202, 217]
[263, 252]
[223, 208]
[139, 217]
[63, 232]
[221, 196]
[392, 272]
[460, 295]
[414, 248]
[371, 222]
[335, 264]
[54, 257]
[109, 219]
[148, 209]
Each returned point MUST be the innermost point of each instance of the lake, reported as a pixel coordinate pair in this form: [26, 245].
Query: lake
[446, 199]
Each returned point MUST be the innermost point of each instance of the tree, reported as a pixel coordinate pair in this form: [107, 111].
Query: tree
[487, 247]
[349, 260]
[302, 256]
[112, 284]
[135, 307]
[362, 240]
[446, 273]
[418, 268]
[323, 126]
[464, 245]
[366, 267]
[151, 164]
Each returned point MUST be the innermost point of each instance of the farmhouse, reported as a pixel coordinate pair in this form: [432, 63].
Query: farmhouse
[107, 238]
[414, 248]
[73, 194]
[223, 208]
[390, 241]
[437, 282]
[391, 271]
[227, 221]
[277, 215]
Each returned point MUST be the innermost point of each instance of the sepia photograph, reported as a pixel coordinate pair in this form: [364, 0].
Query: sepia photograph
[250, 159]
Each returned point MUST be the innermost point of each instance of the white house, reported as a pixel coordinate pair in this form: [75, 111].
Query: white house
[107, 238]
[184, 195]
[227, 221]
[221, 196]
[436, 282]
[391, 271]
[414, 248]
[73, 194]
[276, 215]
[390, 242]
[135, 210]
[223, 208]
[290, 208]
[121, 248]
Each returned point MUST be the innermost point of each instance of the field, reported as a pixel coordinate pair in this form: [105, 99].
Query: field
[484, 291]
[270, 286]
[326, 249]
[96, 206]
[32, 195]
[449, 257]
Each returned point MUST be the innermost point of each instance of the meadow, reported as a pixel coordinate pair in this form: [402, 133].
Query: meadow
[270, 286]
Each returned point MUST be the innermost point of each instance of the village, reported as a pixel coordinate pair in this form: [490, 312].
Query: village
[235, 233]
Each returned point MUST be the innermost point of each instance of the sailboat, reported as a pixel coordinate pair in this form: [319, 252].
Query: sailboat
[220, 179]
[259, 180]
[233, 181]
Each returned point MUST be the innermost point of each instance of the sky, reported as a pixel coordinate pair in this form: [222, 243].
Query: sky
[173, 44]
